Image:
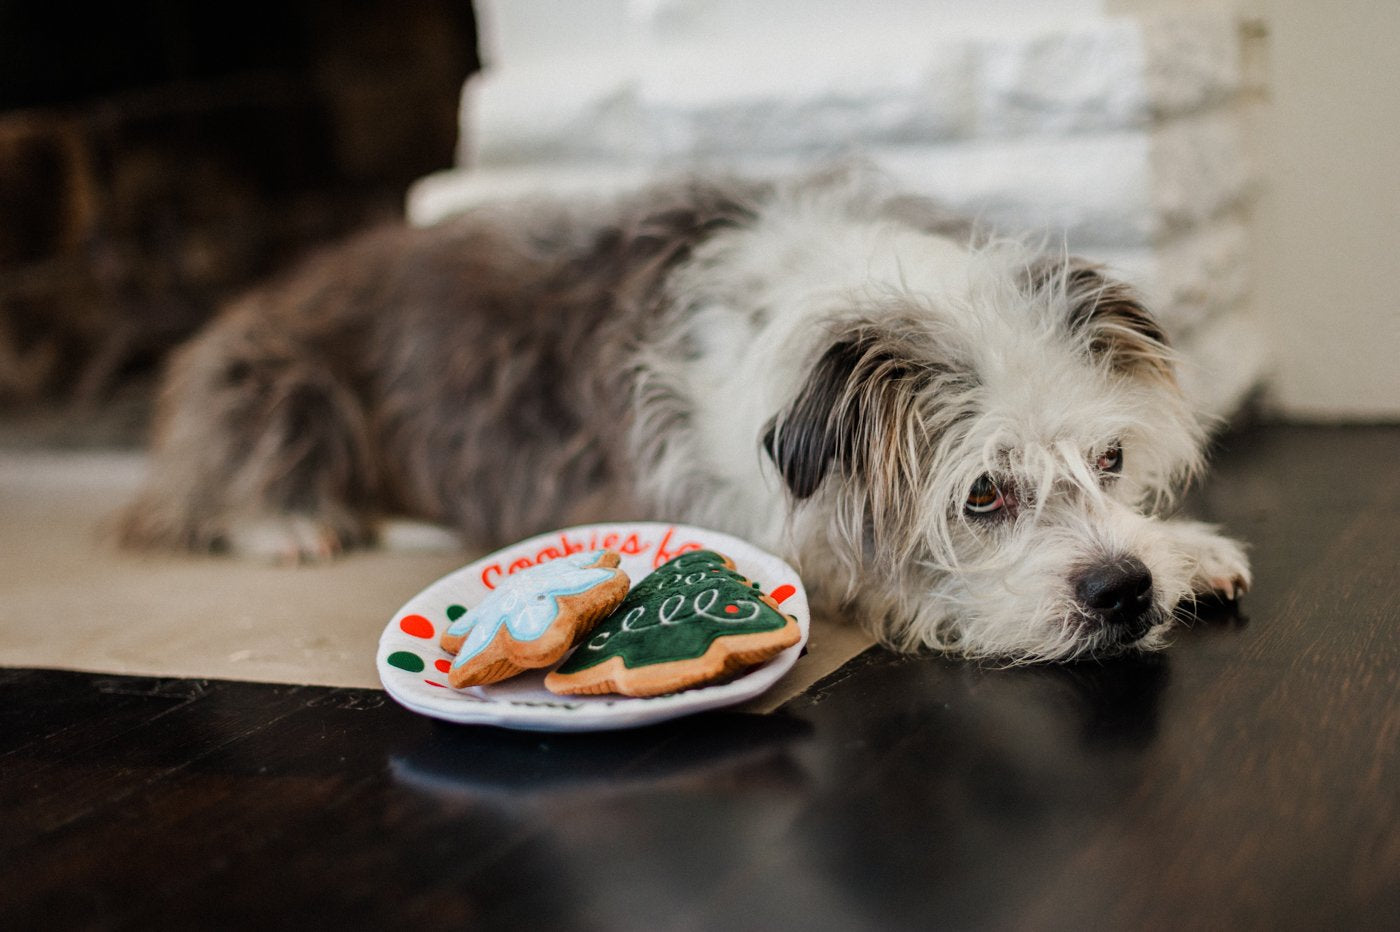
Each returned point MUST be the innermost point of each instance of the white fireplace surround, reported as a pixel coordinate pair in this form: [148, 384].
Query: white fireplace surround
[1123, 134]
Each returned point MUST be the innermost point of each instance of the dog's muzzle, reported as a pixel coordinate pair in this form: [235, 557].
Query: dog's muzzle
[1119, 596]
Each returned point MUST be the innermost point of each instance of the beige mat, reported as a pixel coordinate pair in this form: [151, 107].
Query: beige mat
[70, 600]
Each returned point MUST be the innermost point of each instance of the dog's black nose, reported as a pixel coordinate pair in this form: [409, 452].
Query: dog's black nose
[1118, 594]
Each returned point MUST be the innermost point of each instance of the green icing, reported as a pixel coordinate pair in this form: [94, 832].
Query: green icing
[676, 613]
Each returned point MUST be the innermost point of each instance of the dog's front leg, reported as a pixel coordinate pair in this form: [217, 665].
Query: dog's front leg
[1216, 564]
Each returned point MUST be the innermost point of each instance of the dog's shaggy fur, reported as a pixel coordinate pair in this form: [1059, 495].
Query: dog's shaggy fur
[962, 442]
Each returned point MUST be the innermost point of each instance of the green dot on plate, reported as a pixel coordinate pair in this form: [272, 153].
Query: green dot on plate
[454, 612]
[405, 660]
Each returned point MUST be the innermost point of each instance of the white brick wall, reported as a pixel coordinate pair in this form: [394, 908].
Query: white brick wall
[1121, 134]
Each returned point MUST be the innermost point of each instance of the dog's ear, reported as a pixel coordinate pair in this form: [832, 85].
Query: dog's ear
[853, 412]
[1110, 315]
[805, 439]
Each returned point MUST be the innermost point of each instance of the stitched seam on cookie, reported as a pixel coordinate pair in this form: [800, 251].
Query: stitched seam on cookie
[722, 657]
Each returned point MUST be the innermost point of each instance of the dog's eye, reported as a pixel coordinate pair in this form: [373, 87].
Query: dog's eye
[984, 497]
[1111, 460]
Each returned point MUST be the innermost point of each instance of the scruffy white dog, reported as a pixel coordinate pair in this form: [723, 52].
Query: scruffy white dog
[960, 442]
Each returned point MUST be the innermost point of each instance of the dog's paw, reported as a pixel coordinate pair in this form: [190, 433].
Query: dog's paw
[406, 535]
[1219, 565]
[286, 540]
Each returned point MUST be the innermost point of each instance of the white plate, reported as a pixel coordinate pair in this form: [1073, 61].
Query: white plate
[413, 667]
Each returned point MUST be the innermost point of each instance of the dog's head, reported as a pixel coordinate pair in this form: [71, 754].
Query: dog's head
[988, 462]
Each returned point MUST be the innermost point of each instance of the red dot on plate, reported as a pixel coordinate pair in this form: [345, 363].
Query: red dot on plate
[443, 666]
[731, 609]
[783, 593]
[416, 626]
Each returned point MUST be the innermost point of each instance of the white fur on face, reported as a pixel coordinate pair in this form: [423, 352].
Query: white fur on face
[1011, 592]
[998, 383]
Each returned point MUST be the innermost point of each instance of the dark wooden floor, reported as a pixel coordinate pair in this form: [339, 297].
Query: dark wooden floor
[1247, 778]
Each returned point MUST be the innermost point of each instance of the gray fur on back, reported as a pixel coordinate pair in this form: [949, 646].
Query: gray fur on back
[432, 372]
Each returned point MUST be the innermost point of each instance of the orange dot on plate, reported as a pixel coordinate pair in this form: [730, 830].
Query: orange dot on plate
[443, 666]
[416, 626]
[783, 593]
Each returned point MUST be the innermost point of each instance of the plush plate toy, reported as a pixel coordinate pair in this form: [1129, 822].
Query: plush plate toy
[414, 667]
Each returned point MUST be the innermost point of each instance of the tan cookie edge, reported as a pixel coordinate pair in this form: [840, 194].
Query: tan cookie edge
[726, 654]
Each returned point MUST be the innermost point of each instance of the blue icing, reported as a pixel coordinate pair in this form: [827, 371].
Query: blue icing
[526, 603]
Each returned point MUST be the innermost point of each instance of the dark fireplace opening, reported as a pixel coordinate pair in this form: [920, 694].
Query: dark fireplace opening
[157, 158]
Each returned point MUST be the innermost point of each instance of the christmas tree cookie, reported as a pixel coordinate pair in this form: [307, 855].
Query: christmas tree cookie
[692, 621]
[533, 617]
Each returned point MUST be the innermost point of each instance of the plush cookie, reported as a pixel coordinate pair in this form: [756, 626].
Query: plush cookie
[692, 621]
[533, 617]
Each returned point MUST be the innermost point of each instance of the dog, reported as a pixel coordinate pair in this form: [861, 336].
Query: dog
[967, 442]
